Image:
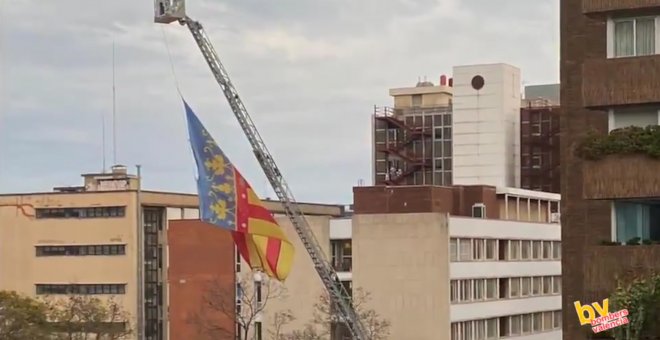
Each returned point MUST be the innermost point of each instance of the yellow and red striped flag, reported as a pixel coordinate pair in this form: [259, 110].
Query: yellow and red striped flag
[227, 200]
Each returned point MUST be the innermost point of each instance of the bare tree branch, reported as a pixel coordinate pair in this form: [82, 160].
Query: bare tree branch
[326, 321]
[222, 300]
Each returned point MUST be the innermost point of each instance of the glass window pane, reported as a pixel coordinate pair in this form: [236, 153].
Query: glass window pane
[623, 38]
[645, 36]
[453, 250]
[465, 247]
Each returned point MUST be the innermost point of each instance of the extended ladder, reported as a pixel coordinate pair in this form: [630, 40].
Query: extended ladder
[168, 11]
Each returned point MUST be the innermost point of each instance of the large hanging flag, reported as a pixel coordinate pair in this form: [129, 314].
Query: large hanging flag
[226, 200]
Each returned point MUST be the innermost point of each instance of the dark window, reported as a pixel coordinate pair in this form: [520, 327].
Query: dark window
[82, 250]
[96, 212]
[82, 289]
[438, 133]
[257, 288]
[257, 330]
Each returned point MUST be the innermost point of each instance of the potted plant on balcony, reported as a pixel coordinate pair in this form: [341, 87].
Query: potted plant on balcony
[628, 140]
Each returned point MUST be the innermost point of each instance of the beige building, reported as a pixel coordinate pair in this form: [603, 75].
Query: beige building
[85, 240]
[442, 263]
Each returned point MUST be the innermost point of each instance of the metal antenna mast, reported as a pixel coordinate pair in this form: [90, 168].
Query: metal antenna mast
[114, 110]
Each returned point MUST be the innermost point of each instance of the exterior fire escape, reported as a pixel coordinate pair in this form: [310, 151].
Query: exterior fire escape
[401, 147]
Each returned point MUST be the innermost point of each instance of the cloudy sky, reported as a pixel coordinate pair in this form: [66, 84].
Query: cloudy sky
[308, 71]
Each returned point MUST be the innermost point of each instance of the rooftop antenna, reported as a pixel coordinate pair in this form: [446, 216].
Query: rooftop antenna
[103, 141]
[114, 110]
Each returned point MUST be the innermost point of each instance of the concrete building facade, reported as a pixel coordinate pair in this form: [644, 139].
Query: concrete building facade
[609, 64]
[486, 121]
[85, 240]
[453, 263]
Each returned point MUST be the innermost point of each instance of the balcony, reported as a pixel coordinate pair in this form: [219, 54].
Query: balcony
[605, 6]
[621, 81]
[605, 263]
[621, 177]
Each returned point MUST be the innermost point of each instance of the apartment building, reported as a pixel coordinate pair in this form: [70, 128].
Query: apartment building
[86, 240]
[462, 131]
[609, 63]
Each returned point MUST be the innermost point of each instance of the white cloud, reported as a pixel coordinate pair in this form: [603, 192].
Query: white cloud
[309, 72]
[293, 44]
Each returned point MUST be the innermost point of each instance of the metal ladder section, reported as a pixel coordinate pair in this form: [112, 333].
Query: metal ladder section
[336, 290]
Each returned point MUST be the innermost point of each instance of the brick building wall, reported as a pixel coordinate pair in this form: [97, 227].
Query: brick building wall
[201, 266]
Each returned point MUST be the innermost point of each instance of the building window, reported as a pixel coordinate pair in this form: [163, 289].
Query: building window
[491, 329]
[478, 290]
[479, 210]
[514, 287]
[635, 116]
[453, 249]
[438, 133]
[547, 285]
[465, 248]
[537, 322]
[556, 285]
[536, 248]
[556, 319]
[536, 285]
[556, 250]
[526, 286]
[505, 326]
[342, 255]
[466, 287]
[637, 221]
[634, 37]
[83, 250]
[81, 289]
[547, 250]
[536, 161]
[257, 330]
[478, 249]
[526, 250]
[547, 321]
[95, 212]
[454, 295]
[527, 324]
[516, 322]
[514, 248]
[491, 249]
[491, 289]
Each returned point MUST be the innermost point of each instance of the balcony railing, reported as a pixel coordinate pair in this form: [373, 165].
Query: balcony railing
[621, 177]
[621, 81]
[605, 6]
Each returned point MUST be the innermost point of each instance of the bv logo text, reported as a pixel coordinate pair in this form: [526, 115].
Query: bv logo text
[604, 320]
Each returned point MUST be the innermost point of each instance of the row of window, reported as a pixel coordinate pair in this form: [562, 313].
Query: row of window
[506, 326]
[477, 249]
[471, 290]
[82, 250]
[81, 289]
[95, 212]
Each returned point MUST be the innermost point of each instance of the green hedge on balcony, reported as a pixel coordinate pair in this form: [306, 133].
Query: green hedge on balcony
[629, 140]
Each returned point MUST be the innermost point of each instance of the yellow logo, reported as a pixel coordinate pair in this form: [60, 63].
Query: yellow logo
[598, 316]
[591, 310]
